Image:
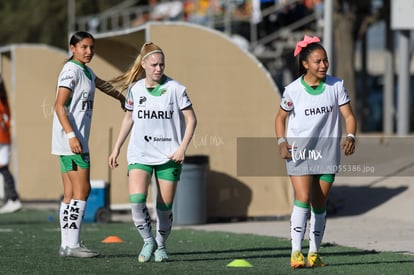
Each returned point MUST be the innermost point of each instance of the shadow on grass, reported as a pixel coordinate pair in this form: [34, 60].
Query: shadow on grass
[357, 200]
[254, 251]
[373, 263]
[260, 253]
[225, 251]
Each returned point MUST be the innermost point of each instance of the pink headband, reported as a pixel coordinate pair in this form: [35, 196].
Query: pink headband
[304, 43]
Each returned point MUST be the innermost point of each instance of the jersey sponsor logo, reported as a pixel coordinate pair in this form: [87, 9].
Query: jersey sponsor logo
[346, 94]
[151, 114]
[163, 91]
[186, 97]
[286, 104]
[318, 110]
[159, 139]
[142, 99]
[66, 77]
[87, 104]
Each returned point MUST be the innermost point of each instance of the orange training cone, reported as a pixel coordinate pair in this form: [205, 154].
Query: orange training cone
[112, 239]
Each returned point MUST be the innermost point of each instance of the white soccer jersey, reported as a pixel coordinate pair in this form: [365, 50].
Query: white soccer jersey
[314, 127]
[159, 125]
[81, 81]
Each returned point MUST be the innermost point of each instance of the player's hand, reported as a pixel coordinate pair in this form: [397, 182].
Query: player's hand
[178, 156]
[75, 145]
[284, 150]
[112, 160]
[348, 146]
[122, 101]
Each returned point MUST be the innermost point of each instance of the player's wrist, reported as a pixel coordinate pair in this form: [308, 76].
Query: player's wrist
[70, 135]
[350, 136]
[281, 140]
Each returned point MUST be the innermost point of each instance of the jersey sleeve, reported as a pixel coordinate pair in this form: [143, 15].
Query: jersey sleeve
[286, 102]
[129, 102]
[67, 79]
[343, 97]
[183, 100]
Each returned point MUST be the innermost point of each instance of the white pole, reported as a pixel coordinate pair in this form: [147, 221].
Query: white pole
[403, 125]
[71, 17]
[328, 30]
[388, 93]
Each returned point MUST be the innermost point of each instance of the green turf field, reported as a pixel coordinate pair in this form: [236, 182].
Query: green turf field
[29, 242]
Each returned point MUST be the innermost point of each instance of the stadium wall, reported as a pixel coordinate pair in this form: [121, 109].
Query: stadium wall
[233, 95]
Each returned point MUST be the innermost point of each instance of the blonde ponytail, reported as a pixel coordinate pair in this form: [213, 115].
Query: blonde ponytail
[136, 71]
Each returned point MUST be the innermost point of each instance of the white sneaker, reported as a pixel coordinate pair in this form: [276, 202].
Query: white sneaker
[80, 252]
[11, 206]
[62, 251]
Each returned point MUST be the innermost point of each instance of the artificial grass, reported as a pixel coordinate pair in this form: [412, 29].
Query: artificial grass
[29, 242]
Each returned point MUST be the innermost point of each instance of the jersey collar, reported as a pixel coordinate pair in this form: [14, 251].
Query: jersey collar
[84, 68]
[157, 91]
[313, 91]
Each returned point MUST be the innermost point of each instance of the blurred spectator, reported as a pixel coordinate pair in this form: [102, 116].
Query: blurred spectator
[266, 25]
[317, 7]
[168, 10]
[13, 203]
[242, 15]
[197, 11]
[160, 11]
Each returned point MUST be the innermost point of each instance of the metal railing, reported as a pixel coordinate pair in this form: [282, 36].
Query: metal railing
[268, 48]
[111, 20]
[123, 17]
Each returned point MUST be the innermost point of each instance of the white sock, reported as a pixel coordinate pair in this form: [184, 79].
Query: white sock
[142, 221]
[164, 225]
[298, 226]
[76, 212]
[63, 219]
[316, 230]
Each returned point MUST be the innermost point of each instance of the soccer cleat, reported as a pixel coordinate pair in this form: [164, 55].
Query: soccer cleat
[62, 251]
[11, 206]
[297, 260]
[80, 252]
[314, 260]
[161, 254]
[146, 252]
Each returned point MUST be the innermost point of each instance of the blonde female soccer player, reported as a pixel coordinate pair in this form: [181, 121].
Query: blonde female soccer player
[161, 120]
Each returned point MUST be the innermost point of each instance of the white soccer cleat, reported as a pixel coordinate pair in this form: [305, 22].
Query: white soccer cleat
[62, 251]
[11, 207]
[80, 252]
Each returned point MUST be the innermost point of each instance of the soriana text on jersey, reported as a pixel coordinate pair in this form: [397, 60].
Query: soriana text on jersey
[151, 114]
